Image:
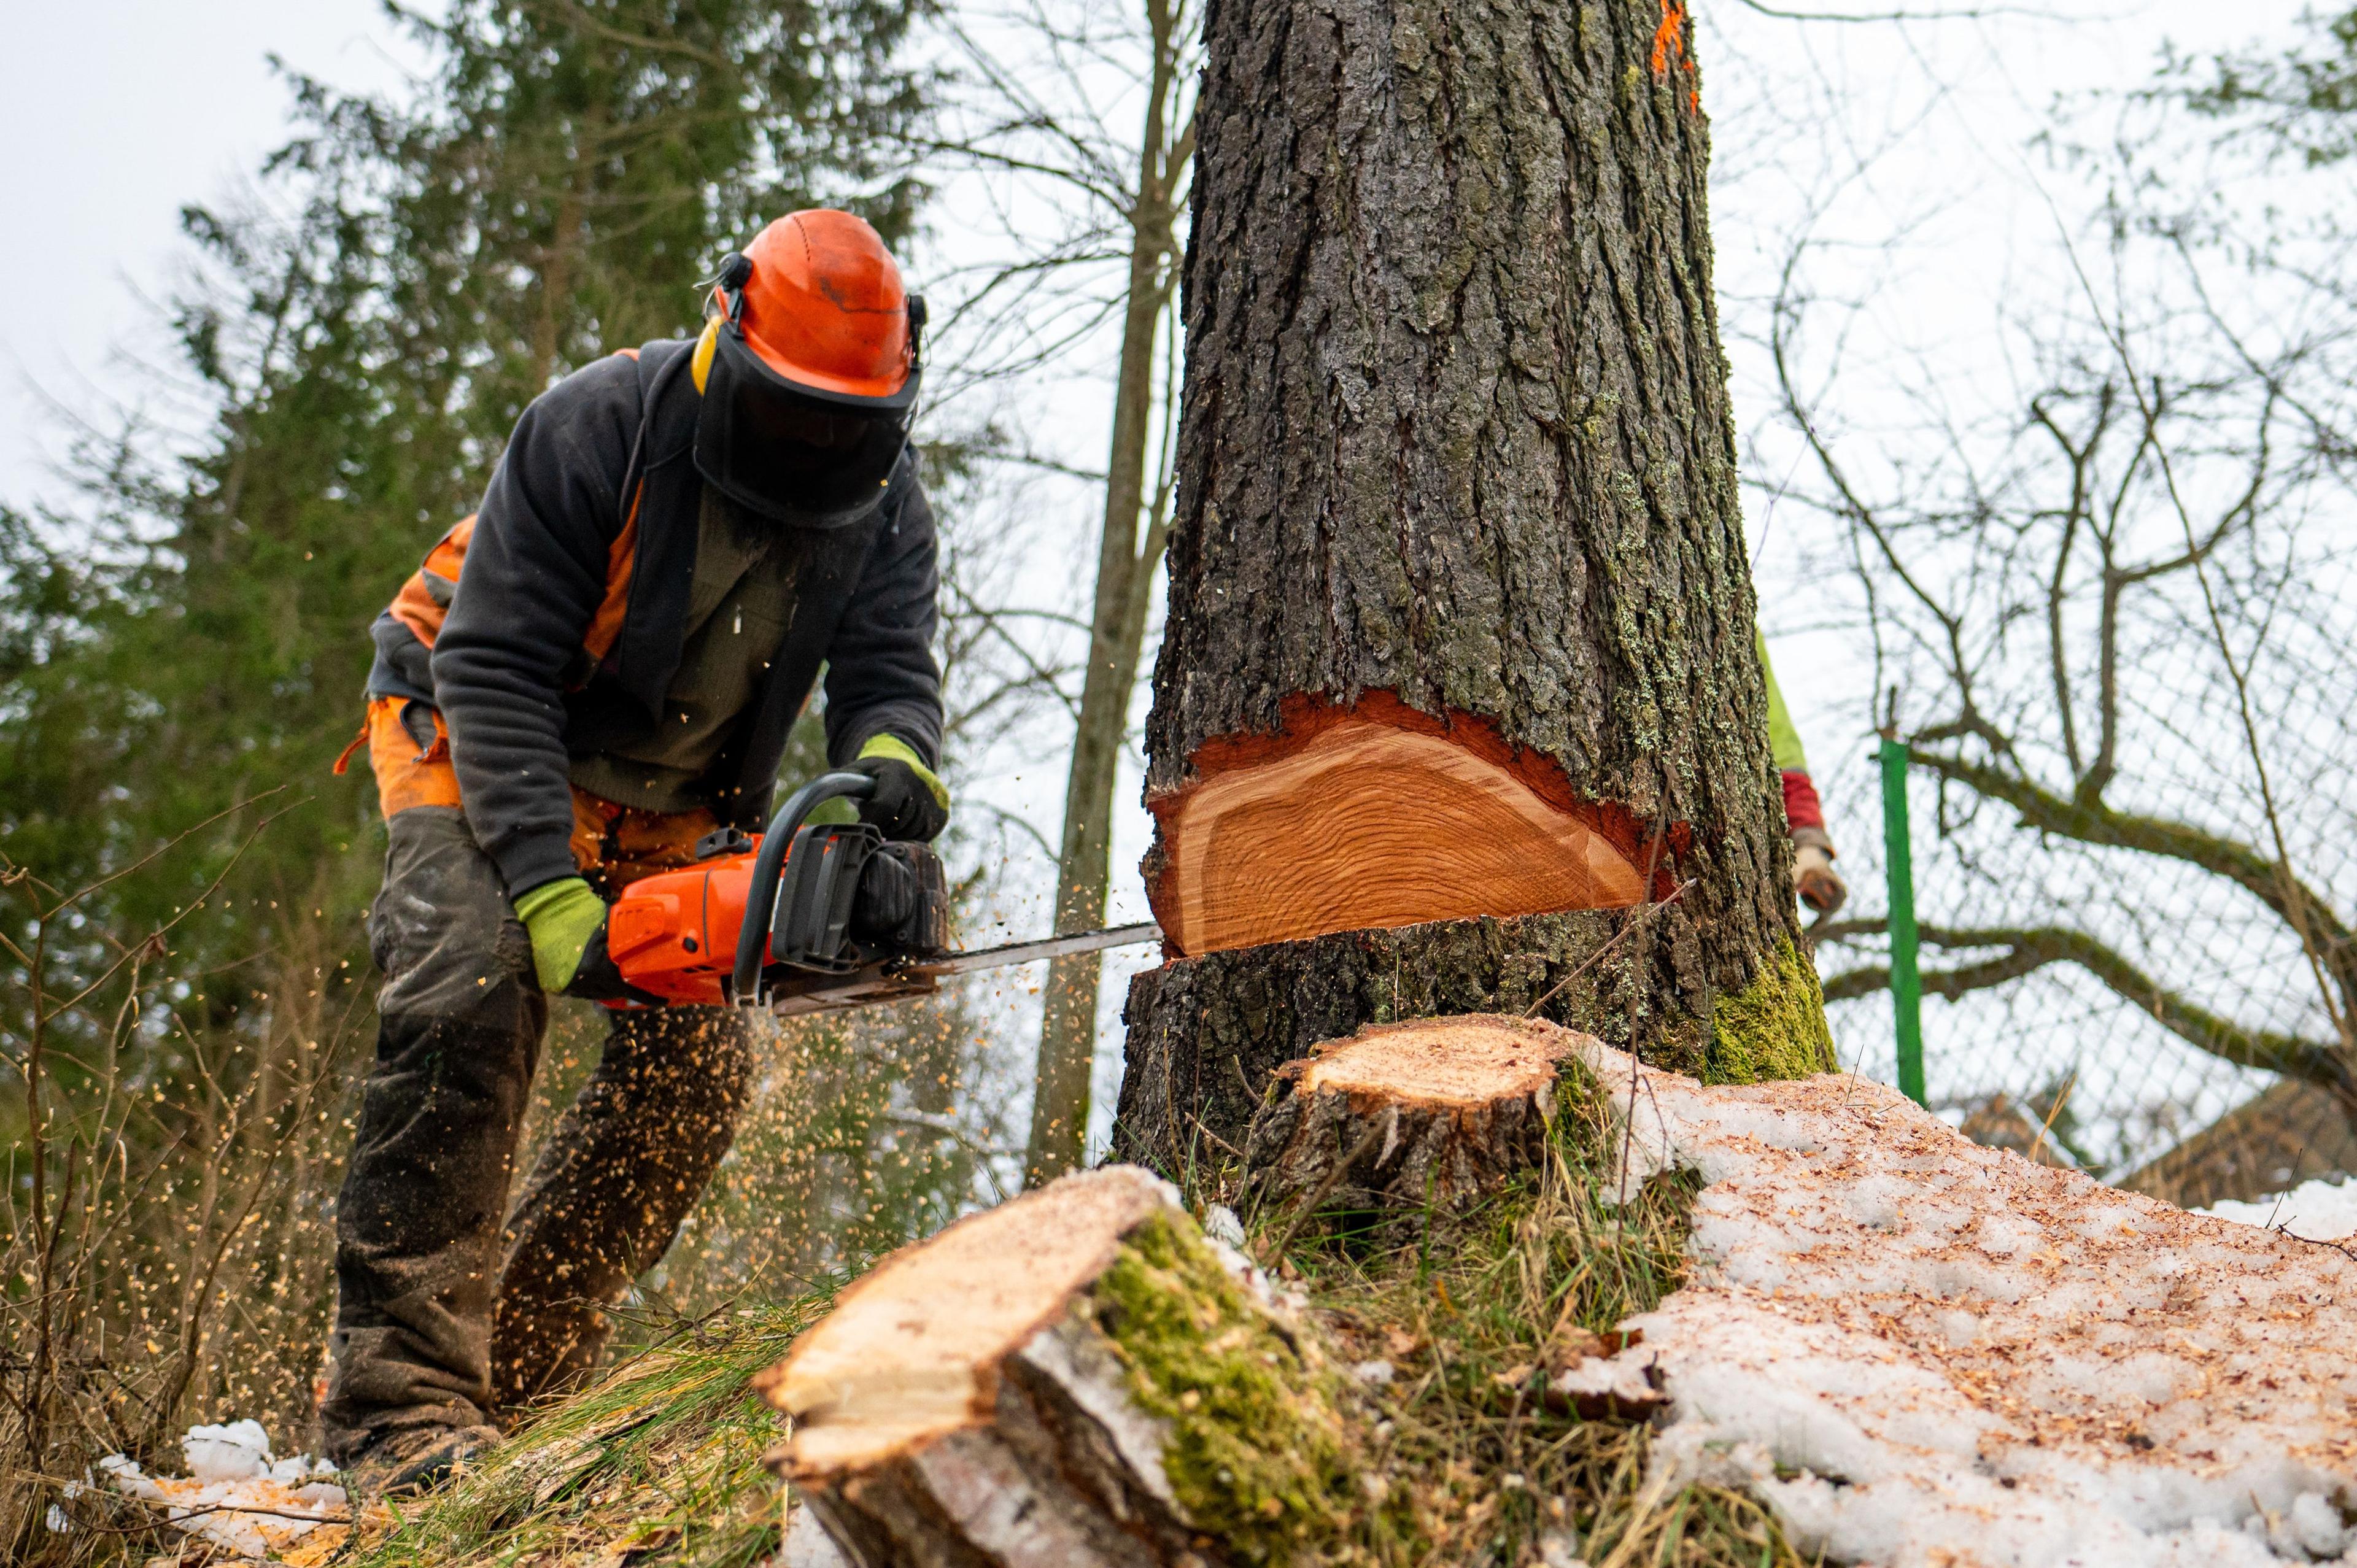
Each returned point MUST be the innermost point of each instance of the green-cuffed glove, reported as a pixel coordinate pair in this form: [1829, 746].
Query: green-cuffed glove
[561, 916]
[910, 802]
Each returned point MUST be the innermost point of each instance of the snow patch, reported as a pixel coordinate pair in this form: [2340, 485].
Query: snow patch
[1920, 1351]
[2324, 1209]
[240, 1499]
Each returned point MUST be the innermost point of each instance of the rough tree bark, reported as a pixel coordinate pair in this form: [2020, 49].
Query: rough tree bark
[1456, 456]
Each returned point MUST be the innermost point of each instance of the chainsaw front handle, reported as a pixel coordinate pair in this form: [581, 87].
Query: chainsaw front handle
[761, 894]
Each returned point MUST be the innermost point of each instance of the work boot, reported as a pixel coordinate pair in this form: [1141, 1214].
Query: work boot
[411, 1459]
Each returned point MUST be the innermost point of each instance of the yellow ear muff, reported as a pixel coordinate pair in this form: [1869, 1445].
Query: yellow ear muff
[700, 367]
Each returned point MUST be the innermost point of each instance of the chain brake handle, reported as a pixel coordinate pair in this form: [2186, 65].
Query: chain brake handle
[761, 893]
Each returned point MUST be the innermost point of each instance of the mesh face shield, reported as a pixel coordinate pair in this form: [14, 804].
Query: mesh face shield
[793, 453]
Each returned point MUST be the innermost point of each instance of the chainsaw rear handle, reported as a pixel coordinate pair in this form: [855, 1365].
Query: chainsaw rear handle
[761, 894]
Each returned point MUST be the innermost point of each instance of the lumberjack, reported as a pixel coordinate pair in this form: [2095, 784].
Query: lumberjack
[676, 539]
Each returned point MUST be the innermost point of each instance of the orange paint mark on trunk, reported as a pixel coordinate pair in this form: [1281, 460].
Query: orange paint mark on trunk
[1669, 38]
[1670, 52]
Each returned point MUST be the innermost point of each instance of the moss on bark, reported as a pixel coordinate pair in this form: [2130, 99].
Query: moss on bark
[1773, 1028]
[1256, 1453]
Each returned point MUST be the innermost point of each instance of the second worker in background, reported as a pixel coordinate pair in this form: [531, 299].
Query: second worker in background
[1819, 886]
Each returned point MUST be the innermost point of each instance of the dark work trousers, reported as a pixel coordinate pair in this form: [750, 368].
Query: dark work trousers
[445, 1315]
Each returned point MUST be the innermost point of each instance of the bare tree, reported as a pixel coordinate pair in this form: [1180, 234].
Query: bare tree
[1131, 541]
[1094, 213]
[2115, 614]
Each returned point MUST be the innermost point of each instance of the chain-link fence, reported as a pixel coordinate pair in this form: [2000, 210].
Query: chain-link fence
[2107, 1007]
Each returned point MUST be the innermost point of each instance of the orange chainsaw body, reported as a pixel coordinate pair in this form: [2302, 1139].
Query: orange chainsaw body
[673, 936]
[674, 933]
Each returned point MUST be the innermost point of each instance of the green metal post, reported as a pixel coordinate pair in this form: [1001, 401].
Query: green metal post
[1906, 982]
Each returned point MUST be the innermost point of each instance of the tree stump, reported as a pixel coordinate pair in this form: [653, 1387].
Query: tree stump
[1072, 1379]
[1206, 1034]
[1435, 1112]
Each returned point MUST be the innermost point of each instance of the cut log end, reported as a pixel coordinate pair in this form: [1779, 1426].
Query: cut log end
[1440, 1110]
[912, 1351]
[1374, 818]
[1074, 1377]
[1451, 1062]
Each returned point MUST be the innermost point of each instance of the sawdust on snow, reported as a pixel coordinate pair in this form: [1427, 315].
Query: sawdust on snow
[1920, 1350]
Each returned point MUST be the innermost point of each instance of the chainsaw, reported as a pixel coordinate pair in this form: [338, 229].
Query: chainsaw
[779, 919]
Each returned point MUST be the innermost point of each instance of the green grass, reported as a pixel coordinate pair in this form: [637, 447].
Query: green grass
[666, 1451]
[1471, 1465]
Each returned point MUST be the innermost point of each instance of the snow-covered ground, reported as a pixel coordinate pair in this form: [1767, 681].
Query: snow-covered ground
[2321, 1210]
[1923, 1352]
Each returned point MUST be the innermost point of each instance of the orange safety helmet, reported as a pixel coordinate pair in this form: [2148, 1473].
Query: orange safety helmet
[823, 305]
[809, 370]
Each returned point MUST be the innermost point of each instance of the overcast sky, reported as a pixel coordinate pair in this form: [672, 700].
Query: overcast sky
[115, 113]
[118, 112]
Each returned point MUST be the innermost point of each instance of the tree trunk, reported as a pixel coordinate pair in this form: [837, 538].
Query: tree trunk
[1125, 568]
[1073, 1380]
[1408, 1118]
[1456, 460]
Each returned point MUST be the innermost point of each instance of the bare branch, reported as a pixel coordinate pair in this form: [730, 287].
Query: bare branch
[2028, 949]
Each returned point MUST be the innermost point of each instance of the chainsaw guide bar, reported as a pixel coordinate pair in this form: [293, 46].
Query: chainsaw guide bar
[807, 919]
[895, 978]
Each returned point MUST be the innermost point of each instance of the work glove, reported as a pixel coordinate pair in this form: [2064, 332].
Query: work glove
[910, 802]
[566, 922]
[1820, 886]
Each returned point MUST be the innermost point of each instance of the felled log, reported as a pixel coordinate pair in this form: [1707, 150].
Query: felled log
[1375, 816]
[1436, 1111]
[1073, 1378]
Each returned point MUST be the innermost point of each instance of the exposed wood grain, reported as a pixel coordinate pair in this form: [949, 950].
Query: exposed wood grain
[1404, 1116]
[912, 1351]
[1363, 825]
[997, 1397]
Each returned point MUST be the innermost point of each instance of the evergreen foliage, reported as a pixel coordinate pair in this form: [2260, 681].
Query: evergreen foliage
[182, 655]
[555, 191]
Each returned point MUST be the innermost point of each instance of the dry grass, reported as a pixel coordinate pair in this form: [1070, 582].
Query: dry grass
[169, 1176]
[660, 1463]
[166, 1173]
